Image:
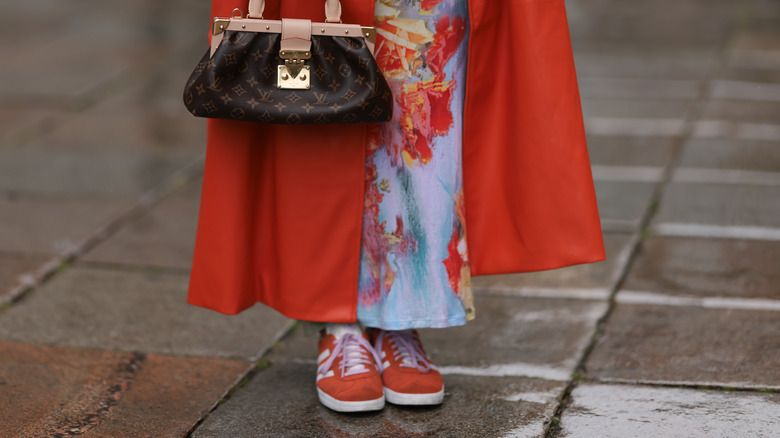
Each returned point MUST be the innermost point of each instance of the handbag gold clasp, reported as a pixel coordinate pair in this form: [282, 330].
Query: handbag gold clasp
[294, 74]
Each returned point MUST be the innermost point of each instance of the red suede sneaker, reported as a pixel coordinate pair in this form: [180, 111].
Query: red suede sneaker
[409, 377]
[348, 378]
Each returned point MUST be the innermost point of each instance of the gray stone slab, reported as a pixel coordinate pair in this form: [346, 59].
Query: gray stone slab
[623, 202]
[660, 62]
[721, 204]
[511, 333]
[610, 411]
[760, 34]
[54, 225]
[598, 275]
[164, 237]
[645, 108]
[675, 344]
[742, 111]
[135, 311]
[707, 268]
[80, 51]
[614, 22]
[281, 401]
[154, 128]
[18, 124]
[16, 268]
[747, 73]
[511, 336]
[762, 156]
[108, 171]
[56, 67]
[158, 92]
[601, 88]
[630, 151]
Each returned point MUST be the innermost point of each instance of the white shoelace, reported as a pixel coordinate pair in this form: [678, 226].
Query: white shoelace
[406, 348]
[356, 354]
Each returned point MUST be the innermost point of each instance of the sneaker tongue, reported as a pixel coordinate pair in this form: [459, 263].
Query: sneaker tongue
[339, 330]
[352, 352]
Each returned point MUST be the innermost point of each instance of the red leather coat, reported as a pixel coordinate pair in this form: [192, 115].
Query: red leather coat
[281, 208]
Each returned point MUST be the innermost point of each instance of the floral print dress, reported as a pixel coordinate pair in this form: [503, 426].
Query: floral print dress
[414, 269]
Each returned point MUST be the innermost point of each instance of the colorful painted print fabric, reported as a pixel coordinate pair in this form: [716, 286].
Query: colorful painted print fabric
[414, 269]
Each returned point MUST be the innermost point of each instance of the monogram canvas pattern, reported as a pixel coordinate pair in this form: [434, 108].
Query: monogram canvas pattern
[239, 83]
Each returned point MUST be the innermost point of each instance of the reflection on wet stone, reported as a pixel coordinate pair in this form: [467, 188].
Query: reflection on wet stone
[473, 406]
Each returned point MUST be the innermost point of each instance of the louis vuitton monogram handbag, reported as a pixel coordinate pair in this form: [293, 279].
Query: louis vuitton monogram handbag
[289, 71]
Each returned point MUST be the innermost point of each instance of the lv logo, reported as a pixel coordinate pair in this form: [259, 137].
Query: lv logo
[321, 98]
[265, 96]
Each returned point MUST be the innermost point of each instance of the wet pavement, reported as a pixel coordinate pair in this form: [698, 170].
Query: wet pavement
[675, 335]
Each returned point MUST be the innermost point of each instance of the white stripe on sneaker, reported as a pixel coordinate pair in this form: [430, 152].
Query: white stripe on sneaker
[321, 376]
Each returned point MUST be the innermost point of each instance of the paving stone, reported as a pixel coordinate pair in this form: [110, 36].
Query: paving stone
[763, 156]
[645, 108]
[758, 34]
[473, 406]
[610, 411]
[601, 88]
[623, 203]
[758, 74]
[511, 336]
[741, 93]
[742, 111]
[615, 22]
[721, 204]
[159, 91]
[53, 225]
[13, 267]
[156, 129]
[736, 130]
[688, 345]
[56, 67]
[707, 268]
[549, 333]
[660, 62]
[598, 275]
[630, 151]
[149, 114]
[108, 172]
[165, 237]
[18, 125]
[135, 311]
[113, 41]
[57, 391]
[634, 127]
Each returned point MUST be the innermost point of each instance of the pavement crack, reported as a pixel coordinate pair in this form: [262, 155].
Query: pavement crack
[124, 376]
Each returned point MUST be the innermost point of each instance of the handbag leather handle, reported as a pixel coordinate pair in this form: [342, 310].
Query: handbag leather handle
[332, 10]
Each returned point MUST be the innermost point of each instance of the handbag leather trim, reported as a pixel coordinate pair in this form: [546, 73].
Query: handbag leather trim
[332, 10]
[275, 26]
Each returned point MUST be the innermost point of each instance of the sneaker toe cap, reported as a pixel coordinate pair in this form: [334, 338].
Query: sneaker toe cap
[415, 382]
[356, 390]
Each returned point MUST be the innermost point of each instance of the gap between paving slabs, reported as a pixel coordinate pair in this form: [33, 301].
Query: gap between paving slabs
[260, 363]
[76, 105]
[152, 197]
[695, 110]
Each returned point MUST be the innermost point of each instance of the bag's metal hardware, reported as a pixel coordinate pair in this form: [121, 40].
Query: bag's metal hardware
[369, 33]
[286, 80]
[294, 74]
[220, 25]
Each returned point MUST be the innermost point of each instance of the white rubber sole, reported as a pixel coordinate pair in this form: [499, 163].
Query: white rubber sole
[397, 398]
[350, 406]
